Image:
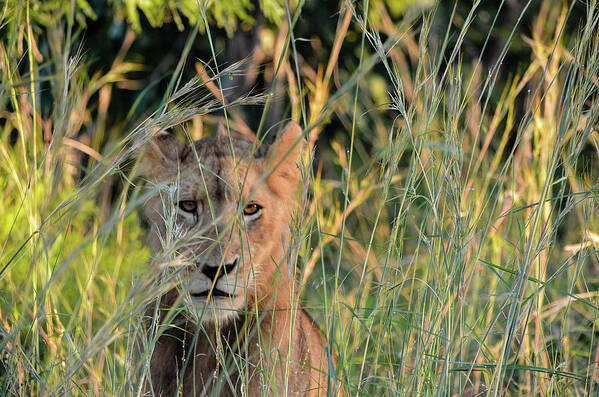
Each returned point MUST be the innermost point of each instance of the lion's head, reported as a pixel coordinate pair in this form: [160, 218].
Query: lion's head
[224, 204]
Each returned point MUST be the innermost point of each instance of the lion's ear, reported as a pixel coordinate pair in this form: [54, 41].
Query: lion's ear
[162, 156]
[224, 133]
[283, 160]
[221, 130]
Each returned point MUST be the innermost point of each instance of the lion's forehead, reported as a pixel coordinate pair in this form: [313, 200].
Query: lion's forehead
[218, 147]
[219, 177]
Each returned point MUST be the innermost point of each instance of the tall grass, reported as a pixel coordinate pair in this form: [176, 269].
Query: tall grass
[448, 245]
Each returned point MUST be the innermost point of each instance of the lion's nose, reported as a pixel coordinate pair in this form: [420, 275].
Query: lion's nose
[212, 271]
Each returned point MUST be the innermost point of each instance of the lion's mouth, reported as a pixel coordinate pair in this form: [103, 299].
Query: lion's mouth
[215, 292]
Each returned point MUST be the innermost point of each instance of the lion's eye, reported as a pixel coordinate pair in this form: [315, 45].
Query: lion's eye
[251, 209]
[188, 205]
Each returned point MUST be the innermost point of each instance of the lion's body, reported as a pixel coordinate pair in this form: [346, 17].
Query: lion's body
[254, 339]
[262, 369]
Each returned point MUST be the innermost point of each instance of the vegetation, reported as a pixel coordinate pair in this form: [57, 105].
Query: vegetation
[449, 241]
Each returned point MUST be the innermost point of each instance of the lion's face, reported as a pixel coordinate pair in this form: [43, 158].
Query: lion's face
[227, 213]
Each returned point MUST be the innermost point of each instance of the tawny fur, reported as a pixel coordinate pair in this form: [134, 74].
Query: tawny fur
[280, 349]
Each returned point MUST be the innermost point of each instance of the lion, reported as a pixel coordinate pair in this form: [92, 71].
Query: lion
[242, 331]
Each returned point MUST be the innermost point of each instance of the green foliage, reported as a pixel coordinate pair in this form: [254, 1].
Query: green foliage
[44, 13]
[58, 262]
[226, 14]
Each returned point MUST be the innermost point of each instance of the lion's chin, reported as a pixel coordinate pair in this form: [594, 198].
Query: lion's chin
[214, 293]
[216, 309]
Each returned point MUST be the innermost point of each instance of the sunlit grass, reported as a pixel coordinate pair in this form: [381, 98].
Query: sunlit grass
[447, 246]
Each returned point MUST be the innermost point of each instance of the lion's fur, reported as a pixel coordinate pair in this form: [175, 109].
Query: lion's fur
[262, 323]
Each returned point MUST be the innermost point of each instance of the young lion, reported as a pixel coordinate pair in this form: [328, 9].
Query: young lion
[233, 208]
